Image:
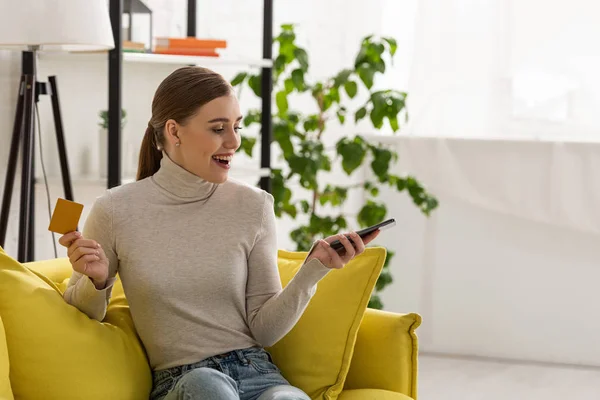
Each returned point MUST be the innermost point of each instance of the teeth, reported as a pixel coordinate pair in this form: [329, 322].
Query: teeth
[224, 158]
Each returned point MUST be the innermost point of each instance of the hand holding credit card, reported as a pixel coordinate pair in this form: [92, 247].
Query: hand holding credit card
[65, 217]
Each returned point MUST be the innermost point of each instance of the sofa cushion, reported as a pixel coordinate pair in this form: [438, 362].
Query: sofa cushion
[372, 394]
[315, 355]
[57, 352]
[386, 353]
[5, 390]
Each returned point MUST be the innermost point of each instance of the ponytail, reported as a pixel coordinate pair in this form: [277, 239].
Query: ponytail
[150, 155]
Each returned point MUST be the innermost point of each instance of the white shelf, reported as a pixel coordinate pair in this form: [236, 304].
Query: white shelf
[195, 60]
[148, 58]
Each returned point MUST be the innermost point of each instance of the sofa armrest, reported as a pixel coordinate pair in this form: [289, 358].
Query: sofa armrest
[385, 354]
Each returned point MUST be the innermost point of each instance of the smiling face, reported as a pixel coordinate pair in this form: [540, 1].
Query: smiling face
[207, 140]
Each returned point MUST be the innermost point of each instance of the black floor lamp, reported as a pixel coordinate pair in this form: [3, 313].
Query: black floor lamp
[31, 27]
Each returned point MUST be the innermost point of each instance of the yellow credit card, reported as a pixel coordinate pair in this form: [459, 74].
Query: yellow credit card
[65, 217]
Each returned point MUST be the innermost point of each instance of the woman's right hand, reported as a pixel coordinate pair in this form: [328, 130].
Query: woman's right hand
[86, 257]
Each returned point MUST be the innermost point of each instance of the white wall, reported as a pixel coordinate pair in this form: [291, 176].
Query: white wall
[331, 32]
[508, 265]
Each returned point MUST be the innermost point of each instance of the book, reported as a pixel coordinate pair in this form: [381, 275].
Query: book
[187, 51]
[190, 42]
[127, 44]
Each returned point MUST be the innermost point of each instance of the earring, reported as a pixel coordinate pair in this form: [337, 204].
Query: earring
[177, 144]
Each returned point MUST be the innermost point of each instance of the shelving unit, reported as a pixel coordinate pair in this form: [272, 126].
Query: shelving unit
[195, 60]
[116, 58]
[149, 58]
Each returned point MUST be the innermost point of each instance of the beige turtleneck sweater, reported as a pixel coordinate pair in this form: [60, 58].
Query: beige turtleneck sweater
[198, 263]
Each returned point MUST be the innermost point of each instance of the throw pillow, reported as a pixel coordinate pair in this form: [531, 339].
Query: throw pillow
[5, 390]
[57, 352]
[315, 355]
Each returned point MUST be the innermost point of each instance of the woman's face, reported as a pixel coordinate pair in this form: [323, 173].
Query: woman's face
[208, 140]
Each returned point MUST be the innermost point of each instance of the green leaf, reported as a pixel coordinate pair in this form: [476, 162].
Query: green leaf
[303, 238]
[281, 194]
[341, 116]
[289, 85]
[353, 152]
[282, 135]
[302, 58]
[334, 195]
[290, 209]
[304, 206]
[281, 101]
[400, 184]
[371, 188]
[431, 204]
[366, 75]
[334, 93]
[371, 213]
[252, 117]
[342, 77]
[381, 162]
[377, 115]
[254, 83]
[247, 145]
[393, 45]
[351, 88]
[388, 258]
[394, 123]
[385, 278]
[360, 114]
[239, 78]
[361, 57]
[279, 64]
[326, 226]
[375, 302]
[327, 102]
[298, 79]
[308, 161]
[312, 123]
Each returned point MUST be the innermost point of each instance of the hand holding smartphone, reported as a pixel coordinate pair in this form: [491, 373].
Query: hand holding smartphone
[338, 246]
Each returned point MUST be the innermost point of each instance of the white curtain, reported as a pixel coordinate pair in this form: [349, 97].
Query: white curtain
[507, 266]
[506, 68]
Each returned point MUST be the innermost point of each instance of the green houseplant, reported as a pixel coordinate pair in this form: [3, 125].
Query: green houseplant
[300, 138]
[103, 140]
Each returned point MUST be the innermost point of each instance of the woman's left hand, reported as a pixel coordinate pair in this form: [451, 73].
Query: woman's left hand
[331, 258]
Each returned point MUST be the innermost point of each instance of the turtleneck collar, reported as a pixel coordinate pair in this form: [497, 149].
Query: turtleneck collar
[181, 183]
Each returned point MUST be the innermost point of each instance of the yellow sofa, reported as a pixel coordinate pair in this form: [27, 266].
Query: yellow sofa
[383, 363]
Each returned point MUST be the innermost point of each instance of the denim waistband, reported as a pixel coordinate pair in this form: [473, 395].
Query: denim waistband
[231, 356]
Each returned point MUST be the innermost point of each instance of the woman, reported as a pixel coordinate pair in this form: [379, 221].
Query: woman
[197, 253]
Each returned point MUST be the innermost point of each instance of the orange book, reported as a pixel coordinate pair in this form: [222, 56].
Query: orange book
[133, 45]
[186, 51]
[190, 42]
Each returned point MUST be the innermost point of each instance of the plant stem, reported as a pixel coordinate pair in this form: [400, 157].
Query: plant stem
[321, 130]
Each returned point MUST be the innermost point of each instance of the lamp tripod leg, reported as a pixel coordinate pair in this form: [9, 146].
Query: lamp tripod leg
[12, 163]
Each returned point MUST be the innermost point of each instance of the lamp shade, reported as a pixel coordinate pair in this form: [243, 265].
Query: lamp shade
[55, 25]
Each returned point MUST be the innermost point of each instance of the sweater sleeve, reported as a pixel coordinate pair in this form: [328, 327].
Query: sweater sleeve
[81, 291]
[273, 311]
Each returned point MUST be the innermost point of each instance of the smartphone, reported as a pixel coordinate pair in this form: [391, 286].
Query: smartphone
[338, 246]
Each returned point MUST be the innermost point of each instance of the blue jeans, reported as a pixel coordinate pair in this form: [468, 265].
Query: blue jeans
[247, 374]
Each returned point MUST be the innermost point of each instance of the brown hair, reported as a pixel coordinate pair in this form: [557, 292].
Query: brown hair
[178, 97]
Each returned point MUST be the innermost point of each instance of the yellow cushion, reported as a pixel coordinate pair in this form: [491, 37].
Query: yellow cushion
[386, 353]
[57, 352]
[5, 390]
[371, 394]
[315, 356]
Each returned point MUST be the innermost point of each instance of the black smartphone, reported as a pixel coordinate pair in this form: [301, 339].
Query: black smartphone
[338, 246]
